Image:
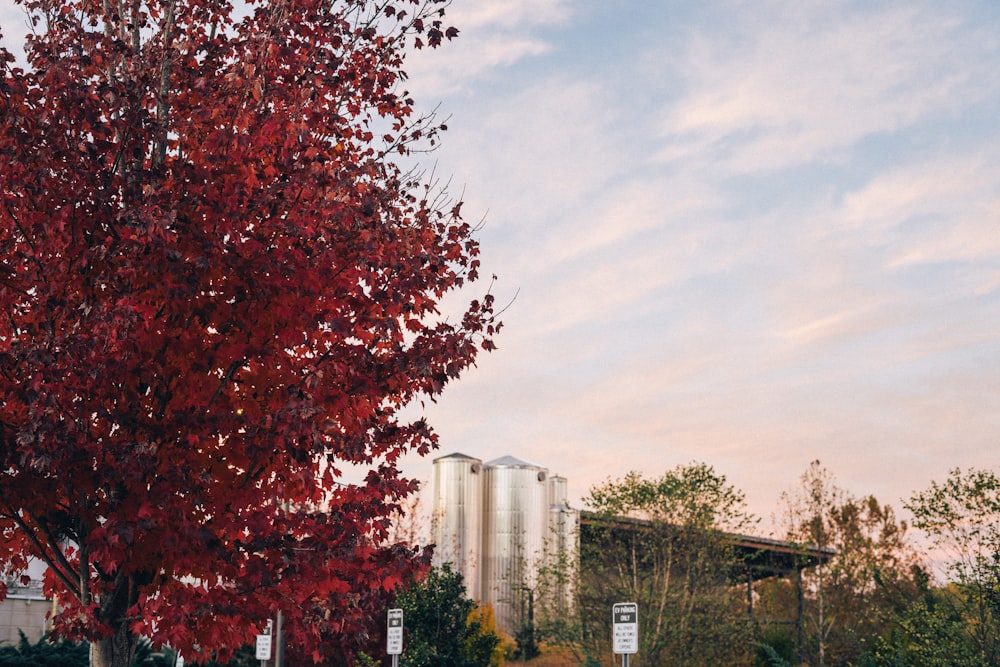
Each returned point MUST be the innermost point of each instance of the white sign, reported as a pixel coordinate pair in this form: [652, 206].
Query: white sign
[263, 647]
[625, 617]
[394, 633]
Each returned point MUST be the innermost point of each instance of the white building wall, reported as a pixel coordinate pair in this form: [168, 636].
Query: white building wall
[25, 608]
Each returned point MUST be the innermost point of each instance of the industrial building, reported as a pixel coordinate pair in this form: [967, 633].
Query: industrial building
[498, 523]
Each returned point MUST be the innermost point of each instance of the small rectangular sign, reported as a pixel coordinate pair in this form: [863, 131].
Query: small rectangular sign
[625, 627]
[263, 647]
[394, 632]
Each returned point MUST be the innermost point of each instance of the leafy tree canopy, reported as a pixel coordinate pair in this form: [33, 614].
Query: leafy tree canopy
[444, 628]
[671, 557]
[962, 517]
[689, 495]
[219, 288]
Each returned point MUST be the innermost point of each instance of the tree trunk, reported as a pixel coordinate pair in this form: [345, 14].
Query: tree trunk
[117, 649]
[114, 651]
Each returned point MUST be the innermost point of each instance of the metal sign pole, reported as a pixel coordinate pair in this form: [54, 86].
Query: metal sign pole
[279, 641]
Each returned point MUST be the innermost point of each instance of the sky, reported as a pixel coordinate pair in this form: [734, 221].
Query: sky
[749, 234]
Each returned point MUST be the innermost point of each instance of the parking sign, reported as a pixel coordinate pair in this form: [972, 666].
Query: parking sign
[625, 624]
[394, 633]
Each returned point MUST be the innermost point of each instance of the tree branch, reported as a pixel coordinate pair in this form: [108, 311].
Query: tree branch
[56, 561]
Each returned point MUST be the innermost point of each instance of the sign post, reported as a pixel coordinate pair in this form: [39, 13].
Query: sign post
[625, 625]
[394, 635]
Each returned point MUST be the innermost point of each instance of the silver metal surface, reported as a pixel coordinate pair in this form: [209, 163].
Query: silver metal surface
[456, 517]
[497, 523]
[515, 504]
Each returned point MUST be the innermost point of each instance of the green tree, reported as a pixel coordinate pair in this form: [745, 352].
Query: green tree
[931, 632]
[443, 626]
[805, 511]
[554, 618]
[661, 543]
[962, 518]
[856, 596]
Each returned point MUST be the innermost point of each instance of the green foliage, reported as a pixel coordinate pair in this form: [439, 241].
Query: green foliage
[44, 653]
[242, 657]
[775, 648]
[934, 631]
[526, 643]
[146, 656]
[441, 624]
[65, 653]
[962, 518]
[661, 543]
[693, 496]
[856, 596]
[365, 660]
[555, 618]
[768, 656]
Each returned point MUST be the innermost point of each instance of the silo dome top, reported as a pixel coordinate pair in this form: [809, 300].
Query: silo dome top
[455, 456]
[511, 462]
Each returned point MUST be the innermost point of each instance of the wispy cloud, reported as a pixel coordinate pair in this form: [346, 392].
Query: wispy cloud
[747, 233]
[765, 238]
[491, 35]
[798, 85]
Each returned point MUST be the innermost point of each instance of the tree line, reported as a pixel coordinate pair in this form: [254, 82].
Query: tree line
[923, 592]
[886, 597]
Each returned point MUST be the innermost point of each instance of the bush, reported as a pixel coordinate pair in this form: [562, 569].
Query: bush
[44, 654]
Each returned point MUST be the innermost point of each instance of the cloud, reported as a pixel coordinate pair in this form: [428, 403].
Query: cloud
[944, 209]
[746, 233]
[513, 15]
[789, 88]
[13, 26]
[492, 35]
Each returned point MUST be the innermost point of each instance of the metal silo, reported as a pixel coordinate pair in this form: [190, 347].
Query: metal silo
[558, 490]
[456, 519]
[562, 548]
[515, 527]
[563, 522]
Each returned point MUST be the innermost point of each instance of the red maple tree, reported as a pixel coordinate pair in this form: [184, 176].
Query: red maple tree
[219, 288]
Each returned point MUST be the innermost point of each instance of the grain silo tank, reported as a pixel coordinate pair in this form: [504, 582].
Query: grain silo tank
[457, 517]
[515, 527]
[563, 522]
[558, 490]
[562, 548]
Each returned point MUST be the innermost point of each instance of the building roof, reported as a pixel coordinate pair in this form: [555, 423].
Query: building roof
[511, 462]
[455, 455]
[756, 557]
